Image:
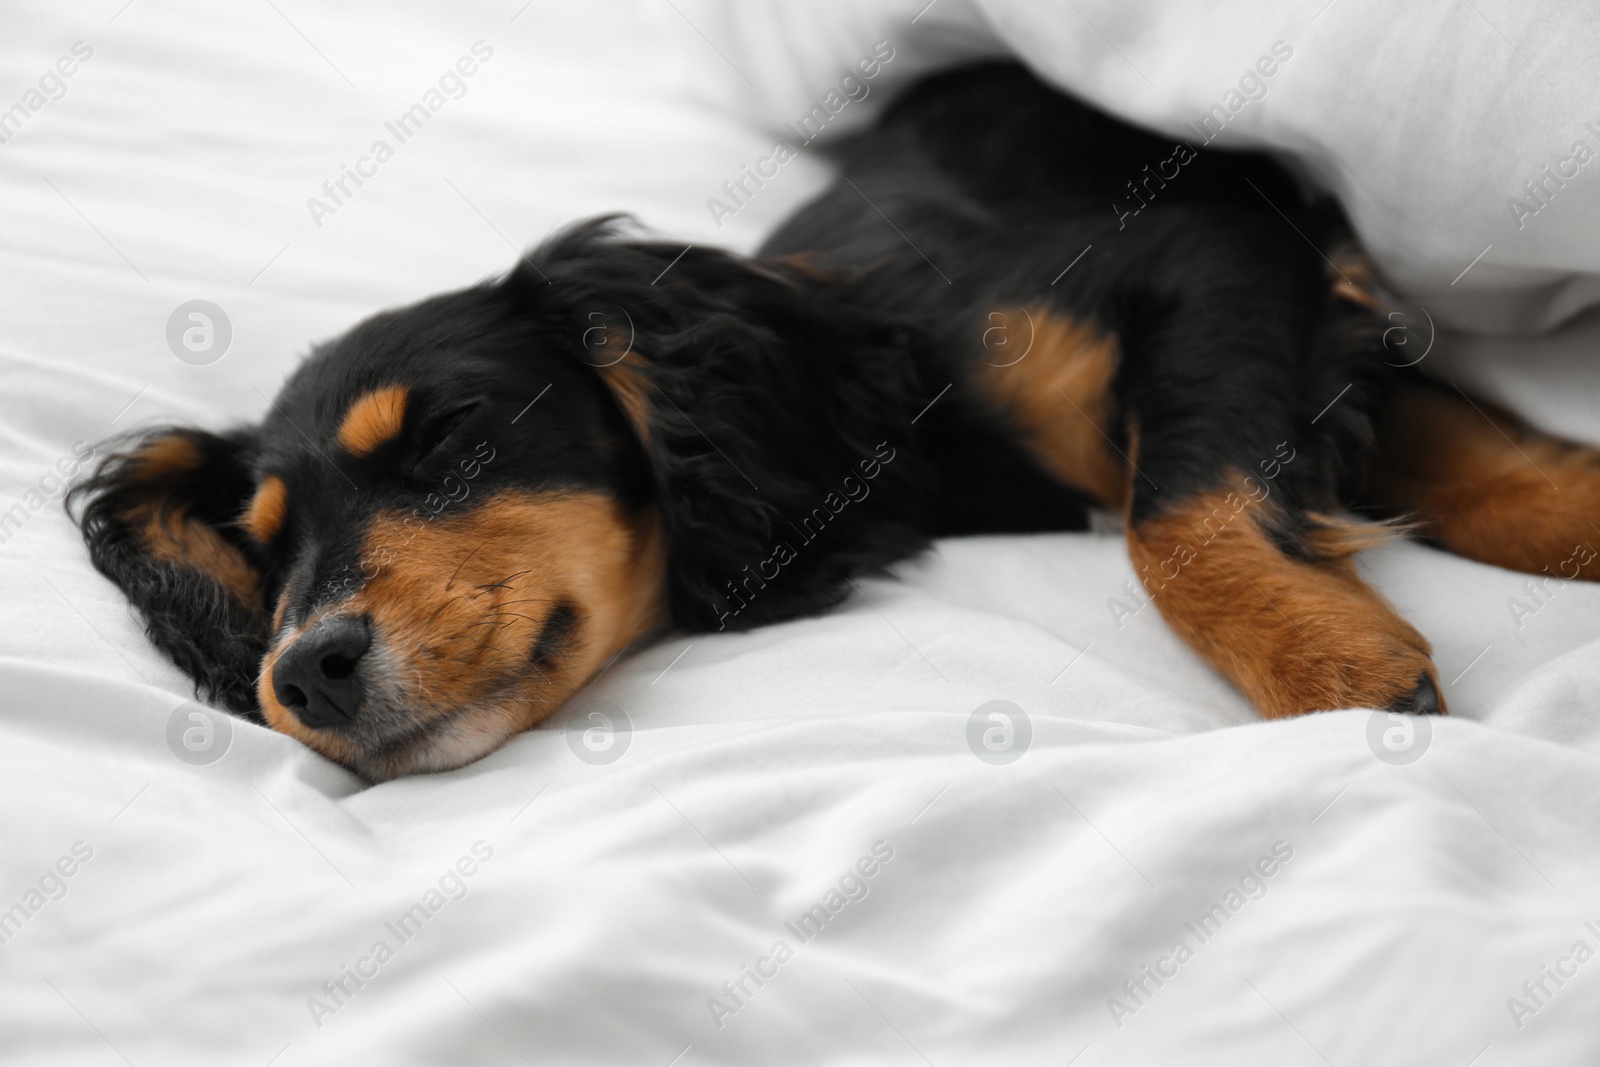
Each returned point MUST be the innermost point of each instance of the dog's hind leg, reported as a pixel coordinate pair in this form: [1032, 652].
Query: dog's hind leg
[1231, 532]
[1268, 595]
[1189, 401]
[1483, 484]
[1234, 526]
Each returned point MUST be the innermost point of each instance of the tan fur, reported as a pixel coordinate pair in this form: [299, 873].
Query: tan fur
[456, 606]
[631, 391]
[1059, 396]
[1354, 277]
[621, 369]
[374, 418]
[165, 456]
[170, 535]
[1341, 536]
[264, 516]
[1292, 636]
[1488, 486]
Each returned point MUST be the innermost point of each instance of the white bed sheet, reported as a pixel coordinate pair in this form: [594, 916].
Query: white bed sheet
[616, 899]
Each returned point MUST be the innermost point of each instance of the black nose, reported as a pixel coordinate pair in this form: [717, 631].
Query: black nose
[316, 677]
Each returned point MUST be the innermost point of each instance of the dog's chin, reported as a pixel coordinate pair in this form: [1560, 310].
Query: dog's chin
[432, 746]
[454, 744]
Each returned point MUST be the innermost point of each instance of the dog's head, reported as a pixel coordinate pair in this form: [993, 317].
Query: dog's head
[454, 515]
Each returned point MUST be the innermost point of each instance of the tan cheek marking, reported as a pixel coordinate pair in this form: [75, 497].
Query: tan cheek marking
[1059, 396]
[280, 612]
[1293, 636]
[373, 419]
[171, 536]
[263, 518]
[461, 601]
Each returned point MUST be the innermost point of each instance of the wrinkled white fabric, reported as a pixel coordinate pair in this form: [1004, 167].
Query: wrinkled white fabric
[608, 903]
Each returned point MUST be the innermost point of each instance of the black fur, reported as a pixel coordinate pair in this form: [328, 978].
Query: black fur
[1215, 289]
[768, 386]
[211, 635]
[805, 417]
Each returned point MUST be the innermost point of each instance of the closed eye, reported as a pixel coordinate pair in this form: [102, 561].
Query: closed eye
[438, 430]
[555, 635]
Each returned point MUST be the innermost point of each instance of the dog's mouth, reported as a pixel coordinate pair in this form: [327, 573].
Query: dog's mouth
[401, 741]
[382, 715]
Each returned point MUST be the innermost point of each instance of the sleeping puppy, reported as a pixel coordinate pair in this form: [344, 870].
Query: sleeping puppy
[1009, 311]
[454, 515]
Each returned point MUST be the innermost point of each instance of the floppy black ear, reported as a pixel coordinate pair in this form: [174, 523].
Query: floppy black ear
[159, 516]
[775, 414]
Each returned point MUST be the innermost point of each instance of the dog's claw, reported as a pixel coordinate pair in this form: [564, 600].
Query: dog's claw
[1423, 700]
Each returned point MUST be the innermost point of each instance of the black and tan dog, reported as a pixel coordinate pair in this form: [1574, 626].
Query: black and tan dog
[1009, 310]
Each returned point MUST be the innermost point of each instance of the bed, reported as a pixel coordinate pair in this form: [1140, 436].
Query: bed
[988, 811]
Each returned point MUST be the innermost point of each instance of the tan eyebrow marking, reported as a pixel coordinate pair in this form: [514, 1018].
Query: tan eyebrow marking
[263, 518]
[373, 419]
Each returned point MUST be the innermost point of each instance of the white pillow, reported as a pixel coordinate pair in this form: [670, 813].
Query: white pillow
[1433, 124]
